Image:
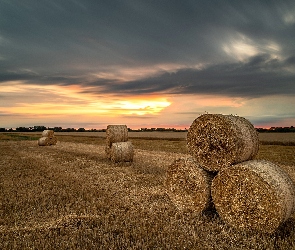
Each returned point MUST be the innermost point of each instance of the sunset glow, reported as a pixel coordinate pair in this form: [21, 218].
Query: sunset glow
[61, 100]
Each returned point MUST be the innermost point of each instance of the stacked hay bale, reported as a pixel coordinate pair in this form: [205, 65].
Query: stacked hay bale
[188, 185]
[219, 141]
[247, 194]
[254, 196]
[118, 148]
[47, 138]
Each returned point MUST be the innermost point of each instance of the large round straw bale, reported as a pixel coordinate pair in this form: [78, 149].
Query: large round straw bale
[116, 133]
[254, 196]
[218, 141]
[188, 185]
[122, 152]
[48, 133]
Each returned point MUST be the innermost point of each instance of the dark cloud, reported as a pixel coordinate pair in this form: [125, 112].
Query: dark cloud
[67, 36]
[260, 75]
[33, 78]
[274, 119]
[63, 42]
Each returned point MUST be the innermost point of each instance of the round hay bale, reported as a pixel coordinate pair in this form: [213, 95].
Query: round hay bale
[122, 152]
[188, 185]
[254, 195]
[44, 141]
[47, 141]
[116, 133]
[48, 133]
[218, 141]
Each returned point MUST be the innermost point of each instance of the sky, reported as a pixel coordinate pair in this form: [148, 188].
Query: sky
[145, 63]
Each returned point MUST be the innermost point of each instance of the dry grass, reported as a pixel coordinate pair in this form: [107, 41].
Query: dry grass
[286, 139]
[265, 138]
[69, 196]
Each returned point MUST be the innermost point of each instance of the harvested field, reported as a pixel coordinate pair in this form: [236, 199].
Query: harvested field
[277, 138]
[265, 138]
[70, 196]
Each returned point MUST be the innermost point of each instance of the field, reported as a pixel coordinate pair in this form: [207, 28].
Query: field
[69, 196]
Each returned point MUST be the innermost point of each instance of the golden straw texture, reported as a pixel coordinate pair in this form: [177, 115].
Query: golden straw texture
[254, 195]
[218, 141]
[108, 151]
[188, 185]
[116, 133]
[122, 152]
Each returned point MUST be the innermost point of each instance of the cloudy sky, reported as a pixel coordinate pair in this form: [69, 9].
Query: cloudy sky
[145, 63]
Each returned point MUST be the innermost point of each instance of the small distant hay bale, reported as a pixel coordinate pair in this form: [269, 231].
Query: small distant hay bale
[48, 133]
[218, 141]
[254, 196]
[44, 141]
[116, 133]
[122, 152]
[188, 185]
[47, 141]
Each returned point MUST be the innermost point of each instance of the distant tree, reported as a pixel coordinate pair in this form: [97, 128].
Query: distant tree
[261, 130]
[22, 129]
[57, 129]
[39, 128]
[81, 129]
[2, 129]
[69, 130]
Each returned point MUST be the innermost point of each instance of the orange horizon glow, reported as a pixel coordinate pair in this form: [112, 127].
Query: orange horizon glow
[74, 104]
[69, 100]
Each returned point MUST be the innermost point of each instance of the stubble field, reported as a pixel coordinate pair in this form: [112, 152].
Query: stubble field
[69, 196]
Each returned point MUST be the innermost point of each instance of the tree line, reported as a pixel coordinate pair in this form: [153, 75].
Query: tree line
[60, 129]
